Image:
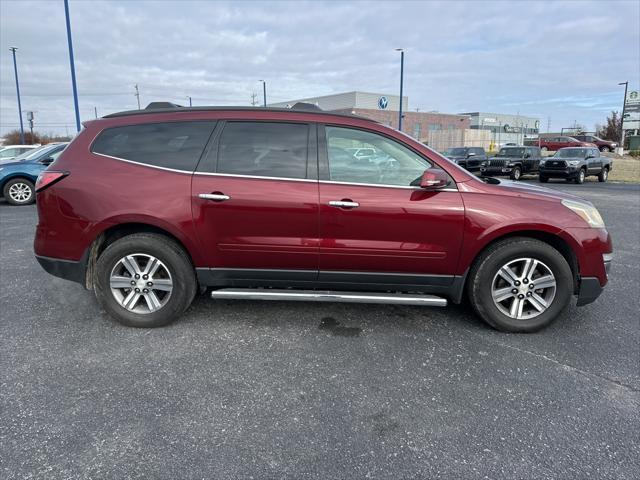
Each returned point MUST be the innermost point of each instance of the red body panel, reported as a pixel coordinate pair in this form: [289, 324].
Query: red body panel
[393, 230]
[283, 224]
[265, 223]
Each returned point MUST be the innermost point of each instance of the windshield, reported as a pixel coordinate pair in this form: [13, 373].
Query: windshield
[456, 152]
[571, 152]
[511, 152]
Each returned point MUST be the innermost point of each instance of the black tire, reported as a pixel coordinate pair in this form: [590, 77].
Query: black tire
[605, 149]
[177, 263]
[516, 173]
[15, 190]
[604, 174]
[582, 174]
[544, 149]
[488, 263]
[543, 179]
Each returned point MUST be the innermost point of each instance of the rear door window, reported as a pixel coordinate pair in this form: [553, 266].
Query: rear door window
[175, 145]
[264, 149]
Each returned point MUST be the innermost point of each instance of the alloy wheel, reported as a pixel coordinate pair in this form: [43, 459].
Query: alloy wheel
[20, 192]
[141, 283]
[523, 288]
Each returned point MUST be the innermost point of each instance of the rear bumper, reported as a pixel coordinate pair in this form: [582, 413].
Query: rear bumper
[68, 269]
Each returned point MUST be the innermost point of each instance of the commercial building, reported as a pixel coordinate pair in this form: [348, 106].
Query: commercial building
[384, 108]
[505, 128]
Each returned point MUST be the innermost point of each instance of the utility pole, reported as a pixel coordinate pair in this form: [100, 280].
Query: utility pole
[72, 65]
[401, 81]
[548, 124]
[137, 95]
[95, 110]
[190, 103]
[624, 104]
[264, 93]
[30, 120]
[15, 69]
[254, 99]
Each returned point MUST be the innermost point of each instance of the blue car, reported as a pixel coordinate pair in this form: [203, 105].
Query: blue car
[18, 178]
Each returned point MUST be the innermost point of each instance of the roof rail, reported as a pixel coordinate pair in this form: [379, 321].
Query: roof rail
[161, 105]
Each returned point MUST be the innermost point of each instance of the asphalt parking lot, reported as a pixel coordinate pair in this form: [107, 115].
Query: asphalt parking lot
[240, 389]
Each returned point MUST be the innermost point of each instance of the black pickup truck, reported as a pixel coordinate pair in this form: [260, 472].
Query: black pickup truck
[467, 157]
[512, 161]
[575, 164]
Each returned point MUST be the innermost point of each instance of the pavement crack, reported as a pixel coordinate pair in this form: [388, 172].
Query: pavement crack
[571, 368]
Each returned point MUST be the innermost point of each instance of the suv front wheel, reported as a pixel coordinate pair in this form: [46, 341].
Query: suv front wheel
[144, 280]
[520, 285]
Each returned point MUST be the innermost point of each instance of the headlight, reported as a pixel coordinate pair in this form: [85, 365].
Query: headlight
[542, 163]
[587, 212]
[574, 163]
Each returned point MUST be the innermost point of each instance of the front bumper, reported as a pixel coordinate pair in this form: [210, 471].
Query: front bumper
[590, 290]
[495, 171]
[569, 172]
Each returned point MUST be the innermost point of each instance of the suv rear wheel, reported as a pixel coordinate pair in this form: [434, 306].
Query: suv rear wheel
[520, 285]
[144, 280]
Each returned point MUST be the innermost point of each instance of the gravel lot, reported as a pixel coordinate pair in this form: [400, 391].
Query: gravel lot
[243, 389]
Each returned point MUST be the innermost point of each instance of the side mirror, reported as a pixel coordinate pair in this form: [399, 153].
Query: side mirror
[434, 178]
[471, 154]
[527, 155]
[47, 161]
[591, 155]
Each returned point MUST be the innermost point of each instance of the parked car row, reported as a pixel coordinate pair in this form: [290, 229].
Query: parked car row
[571, 163]
[18, 177]
[553, 144]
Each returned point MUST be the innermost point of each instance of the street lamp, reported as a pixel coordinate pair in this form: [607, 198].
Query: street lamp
[401, 80]
[624, 104]
[190, 103]
[264, 93]
[72, 65]
[15, 69]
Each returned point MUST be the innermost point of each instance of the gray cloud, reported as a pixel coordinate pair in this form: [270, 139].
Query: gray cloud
[556, 59]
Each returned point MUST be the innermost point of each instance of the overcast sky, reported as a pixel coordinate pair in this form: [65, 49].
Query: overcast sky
[557, 60]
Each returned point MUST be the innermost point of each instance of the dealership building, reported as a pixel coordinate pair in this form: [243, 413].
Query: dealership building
[384, 108]
[505, 128]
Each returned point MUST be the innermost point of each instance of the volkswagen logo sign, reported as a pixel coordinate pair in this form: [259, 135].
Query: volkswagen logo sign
[383, 103]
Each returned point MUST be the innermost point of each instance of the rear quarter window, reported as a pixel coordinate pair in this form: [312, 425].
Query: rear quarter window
[176, 145]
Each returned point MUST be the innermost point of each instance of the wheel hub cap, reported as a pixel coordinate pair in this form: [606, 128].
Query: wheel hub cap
[523, 288]
[20, 192]
[141, 283]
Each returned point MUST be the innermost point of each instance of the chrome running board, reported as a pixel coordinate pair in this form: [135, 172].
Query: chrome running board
[329, 296]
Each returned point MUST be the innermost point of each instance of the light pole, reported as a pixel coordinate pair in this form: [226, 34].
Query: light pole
[264, 93]
[72, 65]
[401, 81]
[190, 104]
[624, 104]
[15, 69]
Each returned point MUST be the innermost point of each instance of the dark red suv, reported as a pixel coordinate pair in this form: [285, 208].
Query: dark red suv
[148, 208]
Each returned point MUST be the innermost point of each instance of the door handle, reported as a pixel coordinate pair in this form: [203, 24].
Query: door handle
[216, 197]
[344, 204]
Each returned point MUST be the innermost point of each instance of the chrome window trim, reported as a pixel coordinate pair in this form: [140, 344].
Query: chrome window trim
[387, 186]
[260, 177]
[235, 175]
[188, 172]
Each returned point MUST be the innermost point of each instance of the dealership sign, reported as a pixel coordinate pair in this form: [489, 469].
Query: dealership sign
[510, 129]
[383, 103]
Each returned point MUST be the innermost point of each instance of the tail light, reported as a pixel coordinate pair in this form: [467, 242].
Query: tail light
[48, 178]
